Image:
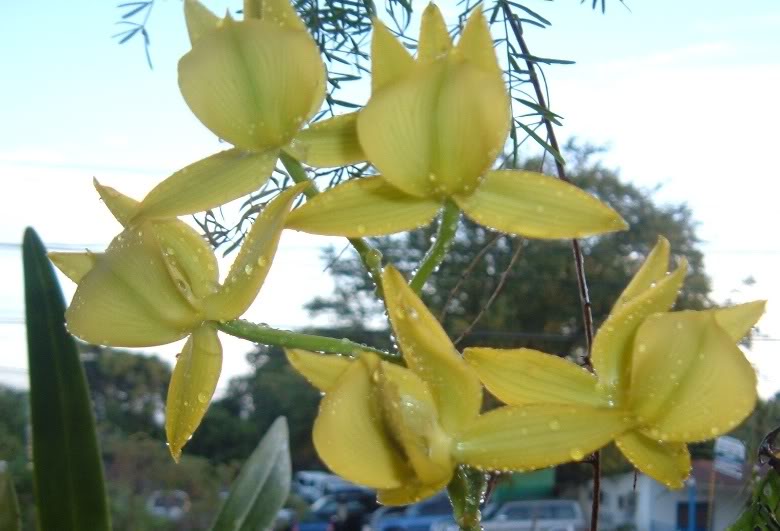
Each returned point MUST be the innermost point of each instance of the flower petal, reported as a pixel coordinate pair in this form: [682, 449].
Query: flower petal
[329, 143]
[249, 269]
[613, 346]
[409, 493]
[435, 40]
[410, 415]
[690, 382]
[390, 61]
[538, 206]
[237, 80]
[666, 462]
[653, 269]
[74, 265]
[537, 436]
[209, 183]
[525, 376]
[123, 208]
[199, 19]
[349, 432]
[437, 131]
[476, 43]
[193, 382]
[430, 353]
[321, 370]
[737, 320]
[189, 258]
[128, 299]
[281, 13]
[362, 207]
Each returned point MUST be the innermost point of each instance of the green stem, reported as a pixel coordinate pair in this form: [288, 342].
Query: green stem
[466, 491]
[371, 258]
[284, 338]
[448, 226]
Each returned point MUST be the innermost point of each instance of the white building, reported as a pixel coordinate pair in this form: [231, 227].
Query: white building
[653, 507]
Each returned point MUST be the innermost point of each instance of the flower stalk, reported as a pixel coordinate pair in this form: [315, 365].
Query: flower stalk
[448, 226]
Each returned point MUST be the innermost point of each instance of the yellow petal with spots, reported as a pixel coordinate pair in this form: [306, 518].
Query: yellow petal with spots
[362, 207]
[329, 143]
[128, 299]
[123, 208]
[613, 346]
[476, 44]
[409, 493]
[430, 354]
[280, 12]
[525, 376]
[199, 19]
[74, 265]
[411, 417]
[653, 269]
[209, 183]
[321, 370]
[237, 80]
[253, 262]
[690, 382]
[436, 132]
[350, 436]
[435, 40]
[525, 438]
[737, 320]
[390, 61]
[193, 382]
[189, 258]
[666, 462]
[533, 205]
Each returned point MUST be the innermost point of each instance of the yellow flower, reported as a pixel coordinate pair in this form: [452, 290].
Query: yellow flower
[157, 282]
[254, 83]
[403, 430]
[663, 379]
[434, 127]
[391, 427]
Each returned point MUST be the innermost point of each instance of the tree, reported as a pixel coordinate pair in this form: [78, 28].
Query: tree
[538, 306]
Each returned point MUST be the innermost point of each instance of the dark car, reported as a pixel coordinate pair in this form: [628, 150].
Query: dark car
[419, 516]
[345, 510]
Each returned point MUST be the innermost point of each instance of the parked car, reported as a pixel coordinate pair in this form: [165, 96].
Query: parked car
[530, 515]
[310, 484]
[419, 516]
[343, 511]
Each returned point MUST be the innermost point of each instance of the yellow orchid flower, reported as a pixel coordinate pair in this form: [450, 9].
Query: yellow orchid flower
[433, 128]
[254, 83]
[157, 282]
[403, 430]
[672, 377]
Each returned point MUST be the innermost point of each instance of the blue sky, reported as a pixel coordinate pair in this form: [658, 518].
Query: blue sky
[683, 93]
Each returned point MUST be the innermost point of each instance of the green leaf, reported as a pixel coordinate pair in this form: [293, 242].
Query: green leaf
[262, 486]
[9, 505]
[68, 472]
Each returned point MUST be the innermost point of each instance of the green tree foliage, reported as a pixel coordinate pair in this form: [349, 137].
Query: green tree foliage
[127, 389]
[539, 305]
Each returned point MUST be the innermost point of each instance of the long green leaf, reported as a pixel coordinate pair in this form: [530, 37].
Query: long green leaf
[9, 506]
[262, 486]
[68, 473]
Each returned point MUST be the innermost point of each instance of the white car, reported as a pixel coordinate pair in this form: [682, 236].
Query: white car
[531, 515]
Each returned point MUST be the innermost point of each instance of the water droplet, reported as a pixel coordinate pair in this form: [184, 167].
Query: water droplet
[361, 229]
[262, 261]
[576, 454]
[554, 425]
[248, 269]
[202, 398]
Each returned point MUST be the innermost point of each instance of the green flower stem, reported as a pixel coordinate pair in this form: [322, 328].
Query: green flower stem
[371, 258]
[448, 226]
[467, 491]
[266, 335]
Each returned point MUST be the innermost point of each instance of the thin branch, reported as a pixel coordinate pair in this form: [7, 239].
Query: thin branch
[466, 274]
[579, 261]
[499, 287]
